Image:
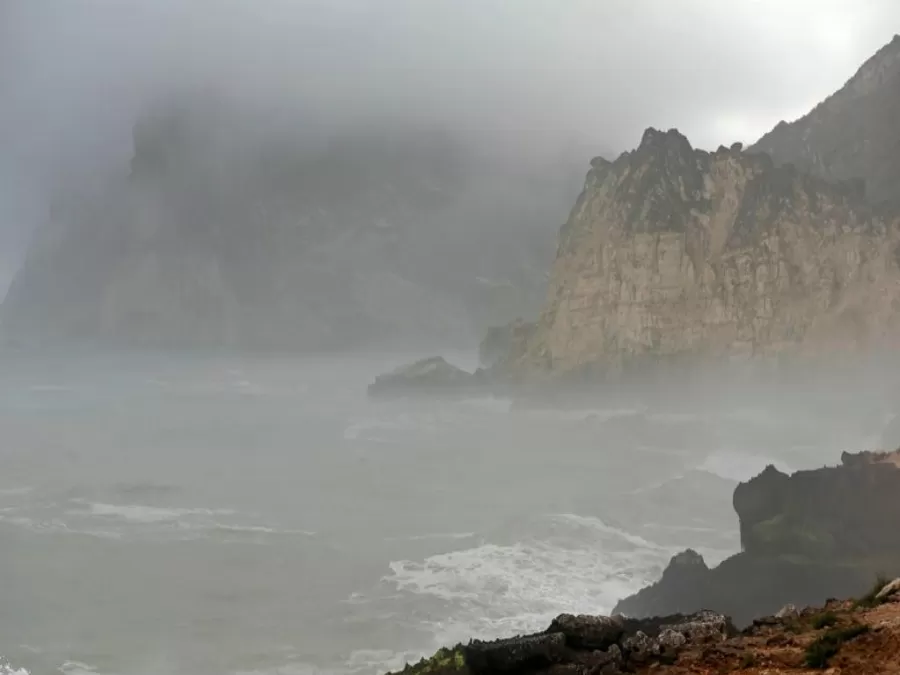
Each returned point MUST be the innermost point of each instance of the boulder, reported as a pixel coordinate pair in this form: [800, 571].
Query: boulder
[891, 590]
[432, 375]
[514, 654]
[701, 628]
[588, 632]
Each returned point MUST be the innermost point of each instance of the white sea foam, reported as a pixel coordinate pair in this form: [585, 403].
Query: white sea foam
[584, 566]
[55, 526]
[6, 669]
[262, 529]
[137, 513]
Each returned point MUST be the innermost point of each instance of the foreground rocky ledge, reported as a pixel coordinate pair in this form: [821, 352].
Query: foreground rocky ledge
[859, 637]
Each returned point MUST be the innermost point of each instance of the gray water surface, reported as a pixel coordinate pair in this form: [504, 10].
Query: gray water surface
[169, 514]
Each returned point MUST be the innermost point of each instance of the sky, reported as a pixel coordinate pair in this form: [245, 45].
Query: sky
[527, 77]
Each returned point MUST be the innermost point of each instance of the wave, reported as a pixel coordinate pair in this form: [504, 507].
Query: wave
[261, 529]
[580, 565]
[6, 669]
[54, 526]
[137, 513]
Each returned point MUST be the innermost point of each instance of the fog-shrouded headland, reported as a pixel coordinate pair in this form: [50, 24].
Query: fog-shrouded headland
[317, 175]
[223, 234]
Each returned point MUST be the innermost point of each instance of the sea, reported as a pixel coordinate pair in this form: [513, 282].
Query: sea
[179, 514]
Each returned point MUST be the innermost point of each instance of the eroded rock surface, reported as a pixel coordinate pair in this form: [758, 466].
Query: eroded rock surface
[805, 537]
[673, 254]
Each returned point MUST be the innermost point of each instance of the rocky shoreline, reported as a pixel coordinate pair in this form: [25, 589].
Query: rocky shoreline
[852, 637]
[805, 538]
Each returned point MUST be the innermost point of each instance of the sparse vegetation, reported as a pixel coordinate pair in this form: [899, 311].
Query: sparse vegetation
[870, 599]
[820, 652]
[824, 620]
[444, 660]
[748, 660]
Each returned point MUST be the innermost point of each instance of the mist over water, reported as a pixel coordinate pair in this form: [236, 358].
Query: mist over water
[300, 176]
[175, 514]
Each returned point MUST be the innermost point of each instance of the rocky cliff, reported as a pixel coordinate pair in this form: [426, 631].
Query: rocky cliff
[805, 537]
[231, 231]
[673, 253]
[854, 133]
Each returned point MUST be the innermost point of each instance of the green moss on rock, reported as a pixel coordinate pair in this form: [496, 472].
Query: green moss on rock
[444, 662]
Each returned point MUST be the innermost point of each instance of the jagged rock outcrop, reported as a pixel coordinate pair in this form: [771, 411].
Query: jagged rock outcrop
[805, 537]
[854, 133]
[584, 644]
[432, 375]
[854, 637]
[228, 231]
[673, 254]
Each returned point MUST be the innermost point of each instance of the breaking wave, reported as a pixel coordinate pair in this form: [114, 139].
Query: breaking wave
[575, 564]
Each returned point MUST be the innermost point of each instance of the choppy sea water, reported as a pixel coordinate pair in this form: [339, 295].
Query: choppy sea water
[169, 515]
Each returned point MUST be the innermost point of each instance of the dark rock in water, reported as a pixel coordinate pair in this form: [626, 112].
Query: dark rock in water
[514, 654]
[588, 632]
[805, 538]
[431, 375]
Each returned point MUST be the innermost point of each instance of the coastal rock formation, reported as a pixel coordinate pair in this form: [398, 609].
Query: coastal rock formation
[426, 376]
[233, 230]
[672, 254]
[805, 537]
[854, 133]
[858, 637]
[584, 644]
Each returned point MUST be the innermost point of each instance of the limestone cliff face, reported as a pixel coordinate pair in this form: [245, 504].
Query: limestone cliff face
[854, 133]
[672, 251]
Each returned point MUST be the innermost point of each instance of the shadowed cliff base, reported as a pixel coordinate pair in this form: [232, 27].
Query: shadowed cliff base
[804, 538]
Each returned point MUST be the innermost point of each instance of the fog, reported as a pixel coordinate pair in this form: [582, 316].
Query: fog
[531, 79]
[366, 183]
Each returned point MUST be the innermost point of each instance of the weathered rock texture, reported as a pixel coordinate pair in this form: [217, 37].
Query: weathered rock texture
[672, 253]
[584, 644]
[854, 133]
[427, 376]
[852, 638]
[805, 537]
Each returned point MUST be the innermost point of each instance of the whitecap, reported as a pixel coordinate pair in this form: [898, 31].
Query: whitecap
[6, 669]
[55, 526]
[138, 513]
[262, 529]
